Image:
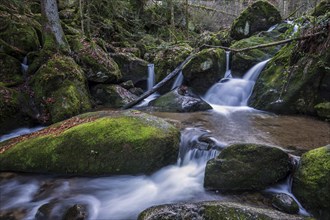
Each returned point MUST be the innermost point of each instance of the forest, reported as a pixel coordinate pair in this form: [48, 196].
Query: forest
[164, 109]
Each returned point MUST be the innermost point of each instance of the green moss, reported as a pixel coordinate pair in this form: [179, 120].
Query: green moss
[116, 145]
[323, 110]
[322, 8]
[311, 181]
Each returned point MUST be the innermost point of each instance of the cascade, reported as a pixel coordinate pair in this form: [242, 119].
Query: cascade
[24, 66]
[234, 92]
[178, 81]
[228, 71]
[151, 76]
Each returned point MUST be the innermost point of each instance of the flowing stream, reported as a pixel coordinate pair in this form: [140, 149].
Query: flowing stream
[124, 197]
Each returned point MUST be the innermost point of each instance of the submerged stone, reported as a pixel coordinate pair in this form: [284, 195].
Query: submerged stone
[311, 183]
[97, 143]
[242, 167]
[212, 210]
[259, 16]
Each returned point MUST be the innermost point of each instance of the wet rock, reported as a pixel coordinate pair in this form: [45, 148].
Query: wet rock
[131, 67]
[76, 212]
[242, 167]
[44, 211]
[97, 64]
[212, 210]
[259, 16]
[96, 143]
[311, 182]
[180, 100]
[16, 214]
[60, 89]
[112, 95]
[205, 69]
[285, 203]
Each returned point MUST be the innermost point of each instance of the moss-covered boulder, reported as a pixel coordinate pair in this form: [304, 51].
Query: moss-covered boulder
[296, 79]
[106, 142]
[10, 70]
[131, 67]
[60, 89]
[206, 68]
[285, 203]
[242, 167]
[211, 210]
[97, 64]
[243, 61]
[18, 35]
[259, 16]
[220, 38]
[311, 183]
[180, 100]
[113, 96]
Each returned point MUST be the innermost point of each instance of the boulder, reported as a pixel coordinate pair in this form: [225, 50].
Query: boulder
[60, 89]
[285, 203]
[212, 210]
[97, 143]
[113, 96]
[18, 35]
[205, 69]
[311, 183]
[242, 167]
[259, 16]
[76, 212]
[180, 100]
[220, 38]
[97, 64]
[323, 110]
[10, 70]
[131, 67]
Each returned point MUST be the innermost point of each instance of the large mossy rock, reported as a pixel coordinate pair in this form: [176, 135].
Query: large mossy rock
[311, 183]
[10, 70]
[206, 68]
[212, 210]
[97, 64]
[180, 100]
[131, 67]
[106, 142]
[113, 96]
[296, 79]
[242, 167]
[18, 35]
[243, 61]
[259, 16]
[60, 89]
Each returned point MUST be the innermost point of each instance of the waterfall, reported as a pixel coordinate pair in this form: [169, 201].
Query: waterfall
[151, 76]
[234, 92]
[178, 81]
[228, 71]
[24, 66]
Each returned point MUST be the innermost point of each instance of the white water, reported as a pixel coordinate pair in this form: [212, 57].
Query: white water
[234, 92]
[24, 66]
[228, 71]
[178, 81]
[151, 76]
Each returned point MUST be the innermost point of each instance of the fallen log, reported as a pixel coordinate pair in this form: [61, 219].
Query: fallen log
[267, 45]
[161, 83]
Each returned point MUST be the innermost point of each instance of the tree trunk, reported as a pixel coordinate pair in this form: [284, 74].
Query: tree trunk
[52, 27]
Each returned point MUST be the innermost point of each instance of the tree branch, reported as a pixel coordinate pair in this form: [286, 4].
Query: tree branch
[266, 45]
